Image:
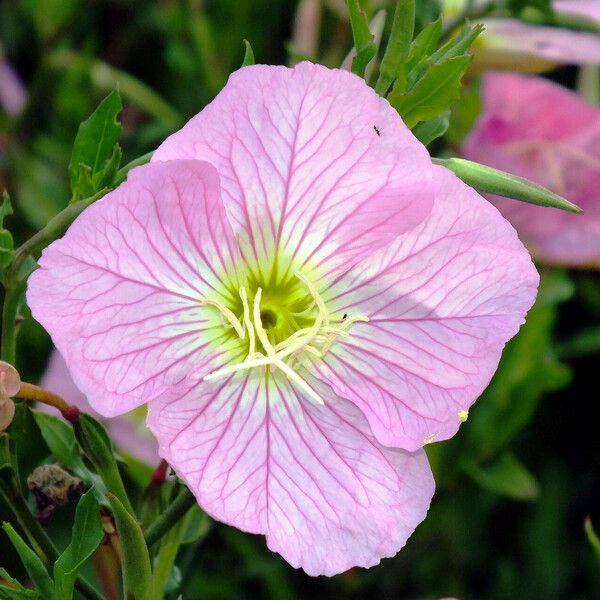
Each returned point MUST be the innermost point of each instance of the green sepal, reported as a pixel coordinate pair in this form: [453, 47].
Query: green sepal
[494, 181]
[427, 131]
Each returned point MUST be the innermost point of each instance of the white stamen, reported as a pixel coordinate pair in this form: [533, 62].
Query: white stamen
[315, 340]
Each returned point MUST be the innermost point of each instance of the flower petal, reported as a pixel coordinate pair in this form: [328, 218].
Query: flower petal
[540, 130]
[442, 300]
[311, 478]
[129, 432]
[510, 44]
[312, 162]
[119, 293]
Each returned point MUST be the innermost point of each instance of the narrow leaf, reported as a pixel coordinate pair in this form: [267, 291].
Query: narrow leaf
[11, 589]
[248, 55]
[427, 131]
[592, 537]
[96, 154]
[86, 537]
[34, 566]
[137, 573]
[486, 179]
[425, 43]
[506, 476]
[363, 38]
[59, 436]
[6, 208]
[433, 94]
[398, 47]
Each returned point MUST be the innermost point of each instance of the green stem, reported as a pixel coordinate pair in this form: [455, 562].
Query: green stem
[121, 174]
[172, 515]
[10, 309]
[54, 229]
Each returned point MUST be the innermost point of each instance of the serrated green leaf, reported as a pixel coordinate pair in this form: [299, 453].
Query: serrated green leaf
[32, 563]
[433, 93]
[427, 131]
[137, 573]
[505, 476]
[494, 181]
[86, 537]
[248, 55]
[96, 154]
[363, 39]
[398, 47]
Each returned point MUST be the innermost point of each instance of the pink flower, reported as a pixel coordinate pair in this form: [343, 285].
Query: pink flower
[128, 431]
[542, 131]
[294, 289]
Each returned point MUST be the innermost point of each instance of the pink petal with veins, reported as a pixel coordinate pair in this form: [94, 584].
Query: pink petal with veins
[120, 292]
[311, 478]
[312, 161]
[553, 138]
[134, 438]
[442, 300]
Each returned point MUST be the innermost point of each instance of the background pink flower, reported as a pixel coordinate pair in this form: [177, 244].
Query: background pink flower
[295, 213]
[128, 432]
[537, 129]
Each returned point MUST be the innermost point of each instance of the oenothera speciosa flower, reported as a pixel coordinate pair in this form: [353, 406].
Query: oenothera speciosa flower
[128, 431]
[539, 130]
[304, 301]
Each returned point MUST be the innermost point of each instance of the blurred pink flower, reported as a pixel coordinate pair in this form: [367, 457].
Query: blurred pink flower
[293, 288]
[12, 92]
[128, 432]
[512, 44]
[537, 129]
[582, 8]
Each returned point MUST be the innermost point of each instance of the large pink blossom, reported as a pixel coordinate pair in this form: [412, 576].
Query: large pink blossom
[537, 129]
[303, 299]
[127, 431]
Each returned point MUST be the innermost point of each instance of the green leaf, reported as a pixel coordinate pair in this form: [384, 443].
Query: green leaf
[427, 131]
[87, 535]
[96, 152]
[433, 93]
[248, 55]
[198, 525]
[6, 240]
[363, 38]
[425, 43]
[59, 436]
[592, 538]
[486, 179]
[96, 445]
[398, 47]
[11, 589]
[507, 477]
[137, 573]
[34, 566]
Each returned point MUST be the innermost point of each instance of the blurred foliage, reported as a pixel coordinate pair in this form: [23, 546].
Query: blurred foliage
[517, 482]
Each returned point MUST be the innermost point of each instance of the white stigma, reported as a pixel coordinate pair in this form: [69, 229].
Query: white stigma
[286, 355]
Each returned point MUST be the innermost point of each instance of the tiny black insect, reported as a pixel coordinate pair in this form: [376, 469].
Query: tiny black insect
[344, 317]
[376, 130]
